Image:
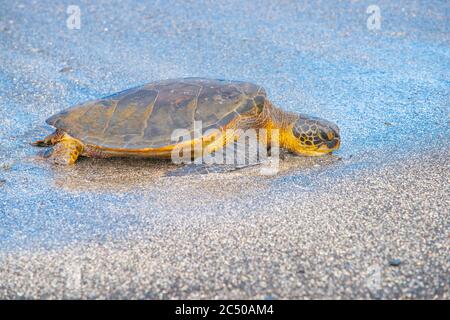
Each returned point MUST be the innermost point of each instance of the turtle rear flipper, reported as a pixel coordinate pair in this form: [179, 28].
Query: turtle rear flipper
[49, 140]
[66, 151]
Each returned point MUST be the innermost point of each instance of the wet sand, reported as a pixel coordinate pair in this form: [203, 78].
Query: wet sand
[314, 235]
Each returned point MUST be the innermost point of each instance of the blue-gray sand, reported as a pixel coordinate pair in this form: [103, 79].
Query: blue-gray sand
[370, 221]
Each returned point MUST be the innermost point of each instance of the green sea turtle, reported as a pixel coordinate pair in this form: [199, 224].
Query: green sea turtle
[140, 121]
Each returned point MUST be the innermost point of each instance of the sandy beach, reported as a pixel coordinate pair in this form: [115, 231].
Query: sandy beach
[370, 221]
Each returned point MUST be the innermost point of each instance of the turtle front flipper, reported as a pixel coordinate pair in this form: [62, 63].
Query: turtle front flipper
[66, 151]
[234, 156]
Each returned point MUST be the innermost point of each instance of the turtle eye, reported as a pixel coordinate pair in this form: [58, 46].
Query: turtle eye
[323, 135]
[330, 135]
[326, 136]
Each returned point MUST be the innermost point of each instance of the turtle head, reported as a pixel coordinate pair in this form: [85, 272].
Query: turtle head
[313, 136]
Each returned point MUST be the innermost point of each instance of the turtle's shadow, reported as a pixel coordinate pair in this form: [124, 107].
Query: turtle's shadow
[126, 174]
[110, 174]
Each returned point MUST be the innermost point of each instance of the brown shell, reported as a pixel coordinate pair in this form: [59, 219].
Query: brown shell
[146, 116]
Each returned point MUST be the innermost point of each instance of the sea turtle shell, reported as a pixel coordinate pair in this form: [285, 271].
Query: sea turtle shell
[146, 116]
